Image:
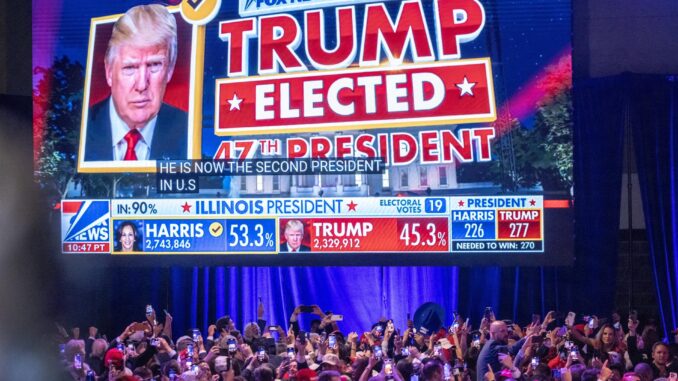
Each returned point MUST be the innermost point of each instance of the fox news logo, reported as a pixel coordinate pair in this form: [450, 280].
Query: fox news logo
[85, 226]
[262, 7]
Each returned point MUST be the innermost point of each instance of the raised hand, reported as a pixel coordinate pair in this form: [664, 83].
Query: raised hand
[506, 360]
[300, 347]
[246, 351]
[372, 361]
[318, 311]
[532, 329]
[164, 345]
[489, 375]
[596, 363]
[464, 329]
[168, 318]
[550, 316]
[484, 324]
[322, 346]
[431, 341]
[326, 320]
[352, 337]
[260, 309]
[605, 372]
[61, 329]
[129, 330]
[553, 335]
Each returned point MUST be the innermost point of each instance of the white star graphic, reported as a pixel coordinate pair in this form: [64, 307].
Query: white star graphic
[466, 87]
[235, 102]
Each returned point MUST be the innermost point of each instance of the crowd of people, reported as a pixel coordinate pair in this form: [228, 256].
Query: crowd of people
[555, 348]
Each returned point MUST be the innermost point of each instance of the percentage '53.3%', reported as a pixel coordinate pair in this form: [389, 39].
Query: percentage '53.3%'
[250, 235]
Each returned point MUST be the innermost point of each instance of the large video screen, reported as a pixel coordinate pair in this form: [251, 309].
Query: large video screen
[307, 132]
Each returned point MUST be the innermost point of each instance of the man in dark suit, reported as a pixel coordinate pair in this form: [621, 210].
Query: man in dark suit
[168, 140]
[294, 235]
[495, 348]
[134, 123]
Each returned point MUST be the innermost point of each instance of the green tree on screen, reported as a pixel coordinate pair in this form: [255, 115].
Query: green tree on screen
[57, 110]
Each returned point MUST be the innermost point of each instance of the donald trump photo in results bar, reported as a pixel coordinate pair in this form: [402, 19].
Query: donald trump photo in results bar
[294, 236]
[133, 123]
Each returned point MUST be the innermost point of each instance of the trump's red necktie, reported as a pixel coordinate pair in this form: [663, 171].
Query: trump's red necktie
[132, 138]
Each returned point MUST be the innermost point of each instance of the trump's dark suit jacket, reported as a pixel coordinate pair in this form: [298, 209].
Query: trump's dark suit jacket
[302, 248]
[170, 138]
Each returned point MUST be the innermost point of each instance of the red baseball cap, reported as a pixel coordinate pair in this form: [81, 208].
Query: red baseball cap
[114, 357]
[306, 375]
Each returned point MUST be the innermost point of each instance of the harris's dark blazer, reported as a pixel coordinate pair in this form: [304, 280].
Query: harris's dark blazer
[170, 138]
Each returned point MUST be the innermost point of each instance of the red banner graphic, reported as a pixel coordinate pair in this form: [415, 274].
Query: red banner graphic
[450, 92]
[371, 234]
[519, 224]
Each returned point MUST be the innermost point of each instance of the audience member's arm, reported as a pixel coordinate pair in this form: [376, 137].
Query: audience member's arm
[463, 339]
[167, 329]
[228, 375]
[513, 349]
[527, 345]
[260, 317]
[489, 375]
[301, 354]
[247, 374]
[367, 373]
[457, 344]
[162, 343]
[251, 362]
[294, 324]
[64, 336]
[548, 319]
[209, 341]
[123, 336]
[90, 340]
[579, 337]
[318, 311]
[143, 358]
[212, 354]
[397, 348]
[507, 362]
[353, 341]
[396, 374]
[385, 340]
[605, 372]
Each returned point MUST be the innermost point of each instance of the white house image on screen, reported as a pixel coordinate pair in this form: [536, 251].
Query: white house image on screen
[412, 178]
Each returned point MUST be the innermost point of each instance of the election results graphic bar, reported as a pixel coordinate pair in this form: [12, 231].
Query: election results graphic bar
[444, 225]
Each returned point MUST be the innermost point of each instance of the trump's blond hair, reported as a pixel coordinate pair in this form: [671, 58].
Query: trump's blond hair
[145, 25]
